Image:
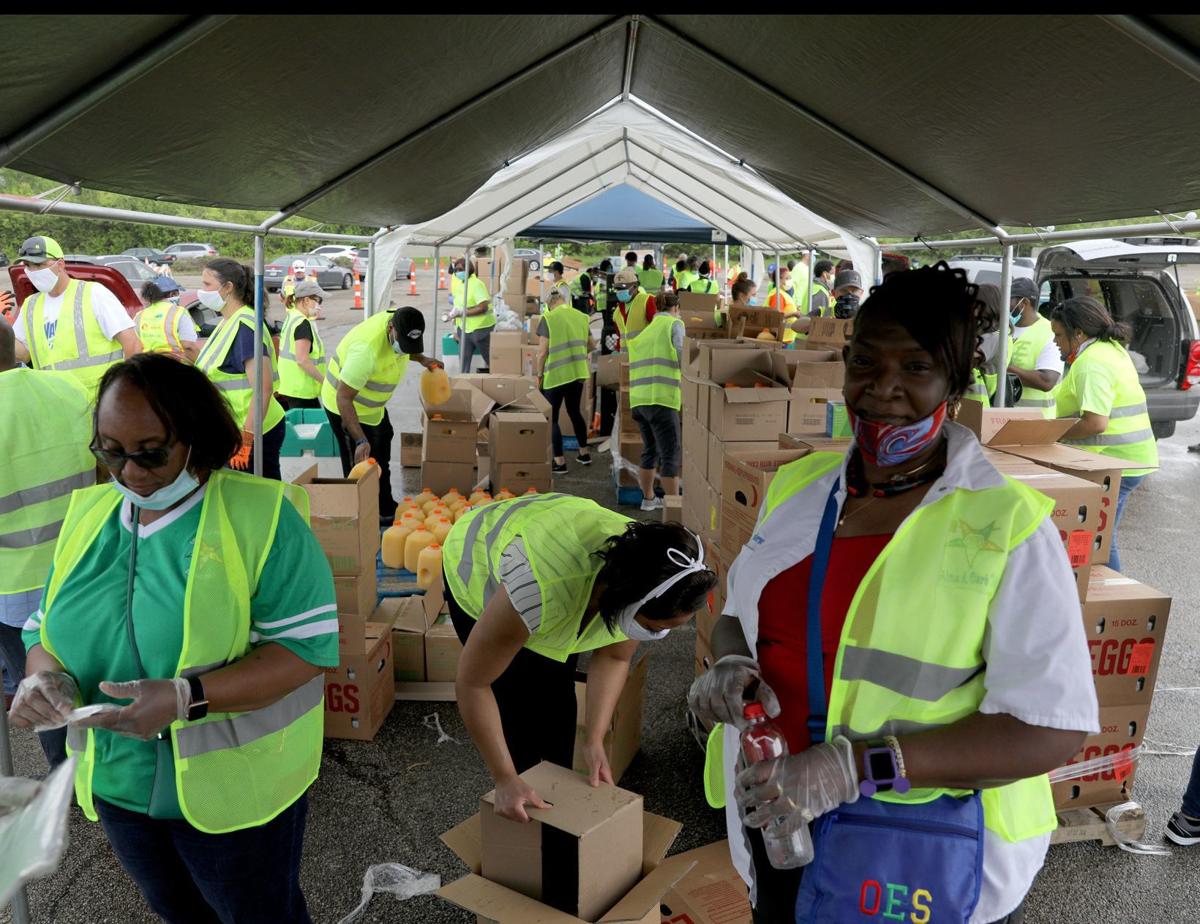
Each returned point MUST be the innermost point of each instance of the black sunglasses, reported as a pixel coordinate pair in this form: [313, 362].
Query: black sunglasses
[145, 458]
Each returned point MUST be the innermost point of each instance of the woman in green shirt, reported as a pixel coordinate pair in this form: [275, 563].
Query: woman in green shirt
[193, 610]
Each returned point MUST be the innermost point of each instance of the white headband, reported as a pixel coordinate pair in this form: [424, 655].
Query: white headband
[687, 564]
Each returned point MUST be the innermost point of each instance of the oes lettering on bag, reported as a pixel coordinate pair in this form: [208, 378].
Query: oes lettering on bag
[1110, 656]
[871, 902]
[341, 697]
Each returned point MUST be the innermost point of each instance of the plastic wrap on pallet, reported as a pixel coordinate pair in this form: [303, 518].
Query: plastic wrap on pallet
[1112, 821]
[1120, 763]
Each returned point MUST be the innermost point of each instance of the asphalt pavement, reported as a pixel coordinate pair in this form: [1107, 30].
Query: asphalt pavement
[388, 800]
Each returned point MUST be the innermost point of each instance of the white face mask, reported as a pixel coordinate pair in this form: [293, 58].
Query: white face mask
[183, 485]
[634, 630]
[210, 298]
[43, 279]
[627, 621]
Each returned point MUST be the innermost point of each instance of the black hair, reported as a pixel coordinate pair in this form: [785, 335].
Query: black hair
[665, 301]
[631, 258]
[238, 275]
[606, 266]
[470, 266]
[822, 267]
[989, 294]
[940, 310]
[791, 265]
[151, 293]
[189, 405]
[705, 268]
[636, 562]
[1086, 314]
[648, 261]
[680, 265]
[8, 345]
[692, 263]
[741, 286]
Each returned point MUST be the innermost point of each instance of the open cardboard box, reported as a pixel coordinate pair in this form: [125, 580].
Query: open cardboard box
[430, 606]
[585, 828]
[344, 516]
[711, 892]
[744, 482]
[750, 322]
[696, 310]
[748, 395]
[451, 428]
[698, 355]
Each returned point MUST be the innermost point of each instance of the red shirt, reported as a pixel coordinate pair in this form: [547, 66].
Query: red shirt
[782, 618]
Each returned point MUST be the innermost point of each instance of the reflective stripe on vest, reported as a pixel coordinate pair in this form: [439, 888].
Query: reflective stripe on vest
[88, 354]
[386, 371]
[562, 536]
[566, 361]
[293, 380]
[237, 386]
[1024, 354]
[45, 459]
[158, 328]
[890, 680]
[1129, 435]
[654, 377]
[232, 770]
[630, 317]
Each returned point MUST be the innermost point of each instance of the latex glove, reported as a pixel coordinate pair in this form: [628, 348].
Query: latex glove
[156, 704]
[44, 700]
[453, 313]
[241, 459]
[513, 795]
[719, 695]
[810, 783]
[362, 452]
[597, 763]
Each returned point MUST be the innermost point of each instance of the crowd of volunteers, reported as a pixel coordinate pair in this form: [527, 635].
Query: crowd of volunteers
[172, 623]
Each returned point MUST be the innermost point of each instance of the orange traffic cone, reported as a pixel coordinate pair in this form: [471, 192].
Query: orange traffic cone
[412, 284]
[412, 269]
[441, 276]
[358, 302]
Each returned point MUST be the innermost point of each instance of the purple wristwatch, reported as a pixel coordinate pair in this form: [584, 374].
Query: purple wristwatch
[882, 770]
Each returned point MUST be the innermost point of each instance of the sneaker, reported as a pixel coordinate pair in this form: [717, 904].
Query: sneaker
[559, 469]
[653, 503]
[1183, 830]
[584, 459]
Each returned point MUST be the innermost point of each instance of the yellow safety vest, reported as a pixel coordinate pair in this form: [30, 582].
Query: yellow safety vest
[81, 349]
[476, 287]
[819, 288]
[237, 387]
[654, 377]
[158, 327]
[650, 280]
[233, 770]
[684, 279]
[888, 679]
[294, 381]
[706, 286]
[981, 388]
[636, 322]
[386, 373]
[1025, 351]
[567, 360]
[1129, 435]
[46, 457]
[562, 536]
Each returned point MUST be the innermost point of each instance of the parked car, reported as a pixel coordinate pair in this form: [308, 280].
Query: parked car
[984, 268]
[1138, 281]
[329, 274]
[137, 272]
[192, 251]
[361, 259]
[107, 276]
[534, 259]
[333, 251]
[149, 253]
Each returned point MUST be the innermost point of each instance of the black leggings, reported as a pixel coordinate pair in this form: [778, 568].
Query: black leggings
[572, 394]
[536, 699]
[290, 403]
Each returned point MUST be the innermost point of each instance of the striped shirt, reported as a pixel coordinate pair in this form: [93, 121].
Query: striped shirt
[516, 574]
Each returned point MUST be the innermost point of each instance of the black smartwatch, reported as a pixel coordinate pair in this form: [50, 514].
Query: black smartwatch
[199, 707]
[362, 442]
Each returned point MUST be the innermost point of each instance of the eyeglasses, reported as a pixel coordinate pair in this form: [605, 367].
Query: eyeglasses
[145, 458]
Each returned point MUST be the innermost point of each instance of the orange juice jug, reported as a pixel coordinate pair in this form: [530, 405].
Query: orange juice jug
[408, 502]
[462, 512]
[455, 502]
[504, 494]
[531, 491]
[441, 529]
[412, 517]
[432, 502]
[361, 469]
[450, 495]
[435, 386]
[394, 538]
[476, 496]
[418, 540]
[425, 495]
[429, 565]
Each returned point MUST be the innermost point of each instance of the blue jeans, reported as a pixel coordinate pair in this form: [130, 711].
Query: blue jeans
[250, 876]
[12, 652]
[1191, 798]
[1127, 486]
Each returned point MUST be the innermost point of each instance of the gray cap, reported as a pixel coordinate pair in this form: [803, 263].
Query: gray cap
[847, 278]
[309, 288]
[1023, 287]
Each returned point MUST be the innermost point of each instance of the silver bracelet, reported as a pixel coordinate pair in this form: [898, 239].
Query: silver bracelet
[892, 742]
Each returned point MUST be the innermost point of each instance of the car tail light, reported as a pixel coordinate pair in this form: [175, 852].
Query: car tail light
[1191, 375]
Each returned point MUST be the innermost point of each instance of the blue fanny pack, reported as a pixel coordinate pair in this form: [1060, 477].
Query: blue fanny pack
[908, 862]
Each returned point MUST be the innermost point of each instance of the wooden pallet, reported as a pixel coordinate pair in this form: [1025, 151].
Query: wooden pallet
[1088, 824]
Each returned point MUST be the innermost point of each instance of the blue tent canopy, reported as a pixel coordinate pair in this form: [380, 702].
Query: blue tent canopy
[623, 214]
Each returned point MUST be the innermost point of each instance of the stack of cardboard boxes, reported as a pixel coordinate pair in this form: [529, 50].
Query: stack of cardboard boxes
[426, 647]
[519, 450]
[451, 437]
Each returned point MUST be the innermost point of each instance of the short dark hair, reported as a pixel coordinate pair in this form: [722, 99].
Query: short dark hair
[606, 266]
[189, 405]
[791, 265]
[940, 310]
[1085, 313]
[636, 562]
[631, 258]
[692, 263]
[822, 267]
[470, 266]
[705, 268]
[151, 293]
[240, 276]
[665, 301]
[648, 261]
[680, 265]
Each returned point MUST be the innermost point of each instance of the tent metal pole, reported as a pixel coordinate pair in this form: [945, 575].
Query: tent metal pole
[1154, 40]
[878, 268]
[370, 293]
[1003, 322]
[1046, 237]
[630, 54]
[725, 273]
[712, 264]
[931, 191]
[812, 276]
[259, 325]
[538, 208]
[63, 112]
[495, 90]
[778, 290]
[437, 267]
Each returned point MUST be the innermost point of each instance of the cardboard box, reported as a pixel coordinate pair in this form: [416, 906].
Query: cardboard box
[360, 691]
[440, 477]
[356, 594]
[697, 310]
[824, 333]
[410, 449]
[493, 902]
[624, 735]
[1126, 623]
[672, 509]
[815, 442]
[747, 413]
[503, 389]
[518, 436]
[344, 516]
[745, 479]
[711, 892]
[1121, 729]
[362, 593]
[750, 322]
[451, 428]
[816, 368]
[442, 651]
[808, 409]
[608, 369]
[690, 399]
[696, 441]
[519, 477]
[717, 450]
[701, 358]
[986, 422]
[504, 356]
[408, 636]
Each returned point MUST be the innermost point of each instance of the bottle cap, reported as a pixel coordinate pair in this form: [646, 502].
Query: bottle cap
[434, 545]
[754, 711]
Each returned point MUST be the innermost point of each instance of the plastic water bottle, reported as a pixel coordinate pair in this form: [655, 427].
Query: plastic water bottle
[788, 843]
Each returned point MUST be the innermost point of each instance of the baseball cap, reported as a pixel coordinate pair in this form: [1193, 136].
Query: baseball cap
[409, 325]
[39, 250]
[1023, 287]
[309, 288]
[847, 278]
[555, 267]
[626, 277]
[167, 285]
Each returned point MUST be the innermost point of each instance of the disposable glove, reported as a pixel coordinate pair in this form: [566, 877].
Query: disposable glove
[241, 459]
[810, 783]
[156, 704]
[719, 695]
[44, 700]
